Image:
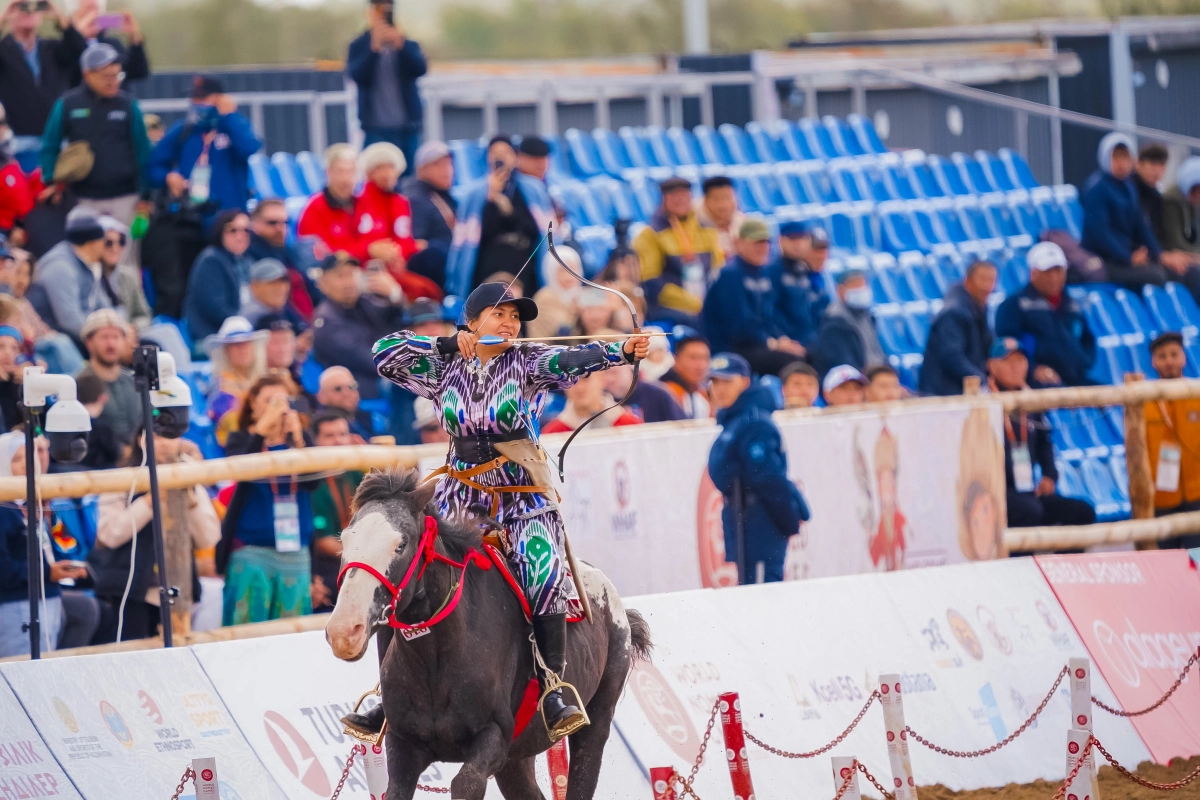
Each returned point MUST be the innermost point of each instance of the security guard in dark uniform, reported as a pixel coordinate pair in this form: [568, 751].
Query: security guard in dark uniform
[763, 508]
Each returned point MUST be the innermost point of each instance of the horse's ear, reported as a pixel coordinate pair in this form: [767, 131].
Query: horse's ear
[423, 495]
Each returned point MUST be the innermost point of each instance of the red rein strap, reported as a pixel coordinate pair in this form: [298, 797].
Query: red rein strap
[426, 554]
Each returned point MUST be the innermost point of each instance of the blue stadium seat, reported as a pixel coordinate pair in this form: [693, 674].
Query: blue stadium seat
[1004, 221]
[1025, 214]
[899, 234]
[921, 276]
[917, 320]
[738, 143]
[618, 196]
[647, 195]
[995, 170]
[1053, 217]
[948, 176]
[1102, 490]
[923, 178]
[1014, 274]
[896, 178]
[1136, 312]
[1070, 484]
[263, 180]
[470, 160]
[290, 179]
[1104, 315]
[788, 134]
[611, 151]
[1184, 302]
[868, 137]
[849, 180]
[1068, 198]
[581, 208]
[816, 182]
[312, 170]
[660, 146]
[893, 331]
[1101, 427]
[712, 146]
[843, 137]
[582, 154]
[977, 224]
[1018, 169]
[1120, 474]
[972, 173]
[1167, 314]
[687, 149]
[928, 224]
[767, 147]
[818, 138]
[636, 147]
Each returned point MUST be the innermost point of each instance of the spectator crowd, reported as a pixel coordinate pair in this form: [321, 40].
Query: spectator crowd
[119, 230]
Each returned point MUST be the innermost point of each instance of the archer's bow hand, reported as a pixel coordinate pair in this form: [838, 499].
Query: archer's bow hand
[637, 346]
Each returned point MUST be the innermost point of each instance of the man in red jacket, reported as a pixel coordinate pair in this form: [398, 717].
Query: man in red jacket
[330, 215]
[383, 219]
[18, 192]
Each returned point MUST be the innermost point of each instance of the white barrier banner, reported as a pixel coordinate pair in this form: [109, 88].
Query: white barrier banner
[976, 647]
[291, 716]
[129, 724]
[27, 769]
[913, 488]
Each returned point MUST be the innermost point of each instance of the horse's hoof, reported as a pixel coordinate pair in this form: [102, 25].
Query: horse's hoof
[365, 727]
[562, 718]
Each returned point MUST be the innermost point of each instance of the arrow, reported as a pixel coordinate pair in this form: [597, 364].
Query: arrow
[490, 339]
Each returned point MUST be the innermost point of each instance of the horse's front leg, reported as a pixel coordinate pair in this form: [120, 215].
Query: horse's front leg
[487, 755]
[405, 761]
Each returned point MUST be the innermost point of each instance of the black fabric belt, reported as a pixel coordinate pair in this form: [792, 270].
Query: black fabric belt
[481, 447]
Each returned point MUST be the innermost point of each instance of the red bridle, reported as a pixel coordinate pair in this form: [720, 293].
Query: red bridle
[426, 554]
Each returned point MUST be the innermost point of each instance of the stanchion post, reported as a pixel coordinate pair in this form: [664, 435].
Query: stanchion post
[375, 764]
[1081, 693]
[1086, 784]
[735, 746]
[206, 783]
[844, 767]
[660, 783]
[556, 760]
[1137, 461]
[904, 786]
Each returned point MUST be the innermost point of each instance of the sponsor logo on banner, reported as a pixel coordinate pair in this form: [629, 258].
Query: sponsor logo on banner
[65, 714]
[988, 620]
[965, 634]
[667, 715]
[116, 724]
[296, 753]
[715, 572]
[625, 520]
[150, 708]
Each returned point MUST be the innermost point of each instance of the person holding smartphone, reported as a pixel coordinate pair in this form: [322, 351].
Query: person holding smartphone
[269, 523]
[119, 30]
[34, 72]
[385, 64]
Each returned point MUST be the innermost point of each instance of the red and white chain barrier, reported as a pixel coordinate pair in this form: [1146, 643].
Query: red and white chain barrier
[735, 745]
[202, 772]
[1178, 681]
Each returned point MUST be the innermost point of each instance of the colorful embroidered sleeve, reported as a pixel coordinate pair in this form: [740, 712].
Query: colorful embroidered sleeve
[558, 367]
[410, 361]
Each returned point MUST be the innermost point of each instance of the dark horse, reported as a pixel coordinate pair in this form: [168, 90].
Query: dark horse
[452, 694]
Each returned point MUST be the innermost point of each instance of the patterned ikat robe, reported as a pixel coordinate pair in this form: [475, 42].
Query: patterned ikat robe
[499, 397]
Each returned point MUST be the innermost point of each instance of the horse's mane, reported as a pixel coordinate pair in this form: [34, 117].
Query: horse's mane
[388, 486]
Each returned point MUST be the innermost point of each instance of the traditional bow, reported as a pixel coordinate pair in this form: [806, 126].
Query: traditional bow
[636, 329]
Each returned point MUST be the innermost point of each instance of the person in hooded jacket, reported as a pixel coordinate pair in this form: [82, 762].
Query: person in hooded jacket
[847, 334]
[748, 459]
[1114, 226]
[959, 338]
[1180, 204]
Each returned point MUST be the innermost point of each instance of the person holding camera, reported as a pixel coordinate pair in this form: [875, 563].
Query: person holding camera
[269, 523]
[35, 72]
[385, 64]
[205, 157]
[125, 544]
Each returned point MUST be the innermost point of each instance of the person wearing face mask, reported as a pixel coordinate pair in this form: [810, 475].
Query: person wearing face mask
[1048, 322]
[1028, 442]
[71, 276]
[847, 334]
[206, 155]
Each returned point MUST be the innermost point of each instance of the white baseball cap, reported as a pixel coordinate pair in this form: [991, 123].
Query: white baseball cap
[843, 374]
[1046, 255]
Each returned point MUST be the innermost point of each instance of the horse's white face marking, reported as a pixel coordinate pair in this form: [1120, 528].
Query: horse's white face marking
[371, 540]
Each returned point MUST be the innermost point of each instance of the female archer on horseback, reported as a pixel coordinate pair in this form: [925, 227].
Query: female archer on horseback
[488, 396]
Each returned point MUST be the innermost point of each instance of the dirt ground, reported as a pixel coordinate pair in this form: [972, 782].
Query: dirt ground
[1113, 786]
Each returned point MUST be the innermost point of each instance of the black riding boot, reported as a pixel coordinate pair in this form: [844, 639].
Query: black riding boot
[370, 724]
[562, 716]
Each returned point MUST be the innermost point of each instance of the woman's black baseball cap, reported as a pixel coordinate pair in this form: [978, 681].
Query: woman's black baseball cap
[487, 295]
